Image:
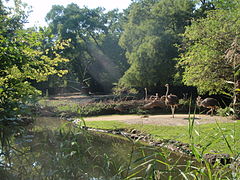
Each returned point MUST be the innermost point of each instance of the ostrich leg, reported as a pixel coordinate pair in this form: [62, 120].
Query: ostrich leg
[173, 109]
[211, 111]
[208, 112]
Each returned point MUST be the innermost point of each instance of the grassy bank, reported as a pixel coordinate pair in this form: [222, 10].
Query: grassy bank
[223, 138]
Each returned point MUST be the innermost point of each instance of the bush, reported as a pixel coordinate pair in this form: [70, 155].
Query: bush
[227, 111]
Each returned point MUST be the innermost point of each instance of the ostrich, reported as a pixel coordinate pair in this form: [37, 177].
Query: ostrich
[170, 100]
[209, 103]
[146, 94]
[155, 103]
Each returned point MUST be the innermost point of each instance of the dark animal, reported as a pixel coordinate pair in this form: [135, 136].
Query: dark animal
[170, 100]
[209, 103]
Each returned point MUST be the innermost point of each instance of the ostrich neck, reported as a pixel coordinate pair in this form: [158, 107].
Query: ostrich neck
[167, 91]
[146, 93]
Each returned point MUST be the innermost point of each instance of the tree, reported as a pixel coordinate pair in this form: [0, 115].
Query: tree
[23, 60]
[152, 29]
[94, 54]
[233, 58]
[205, 45]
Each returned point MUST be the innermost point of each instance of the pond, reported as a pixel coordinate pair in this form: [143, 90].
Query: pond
[51, 148]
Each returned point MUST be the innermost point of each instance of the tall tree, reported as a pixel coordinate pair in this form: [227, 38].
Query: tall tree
[92, 32]
[22, 61]
[152, 29]
[206, 42]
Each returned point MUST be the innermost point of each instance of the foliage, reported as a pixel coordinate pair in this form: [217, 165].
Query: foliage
[203, 57]
[23, 61]
[227, 111]
[92, 109]
[103, 107]
[149, 35]
[96, 59]
[118, 90]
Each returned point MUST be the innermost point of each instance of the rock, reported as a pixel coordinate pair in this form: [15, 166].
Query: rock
[133, 131]
[134, 136]
[221, 158]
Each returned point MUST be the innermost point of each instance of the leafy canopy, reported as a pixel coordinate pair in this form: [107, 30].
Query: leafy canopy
[95, 56]
[149, 35]
[206, 42]
[23, 60]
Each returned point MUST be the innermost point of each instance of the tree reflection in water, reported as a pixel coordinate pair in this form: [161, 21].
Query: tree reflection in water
[53, 152]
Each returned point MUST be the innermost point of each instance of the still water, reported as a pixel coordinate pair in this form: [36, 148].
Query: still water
[53, 149]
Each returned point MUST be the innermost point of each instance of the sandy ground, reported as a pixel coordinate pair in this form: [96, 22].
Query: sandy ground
[162, 120]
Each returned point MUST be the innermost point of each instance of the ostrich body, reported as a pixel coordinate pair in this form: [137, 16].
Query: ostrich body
[153, 104]
[209, 103]
[154, 97]
[170, 100]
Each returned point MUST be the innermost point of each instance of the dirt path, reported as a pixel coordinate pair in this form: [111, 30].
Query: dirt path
[162, 120]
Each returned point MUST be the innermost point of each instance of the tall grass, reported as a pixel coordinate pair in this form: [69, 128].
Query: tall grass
[214, 167]
[72, 155]
[158, 165]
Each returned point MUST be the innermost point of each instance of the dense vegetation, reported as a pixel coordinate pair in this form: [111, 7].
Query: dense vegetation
[182, 42]
[149, 37]
[193, 43]
[24, 59]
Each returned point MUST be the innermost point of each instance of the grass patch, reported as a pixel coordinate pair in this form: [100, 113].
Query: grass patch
[209, 136]
[106, 124]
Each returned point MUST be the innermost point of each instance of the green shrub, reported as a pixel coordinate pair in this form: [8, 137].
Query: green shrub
[227, 111]
[92, 109]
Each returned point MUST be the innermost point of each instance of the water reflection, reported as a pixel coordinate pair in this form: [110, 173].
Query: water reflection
[52, 149]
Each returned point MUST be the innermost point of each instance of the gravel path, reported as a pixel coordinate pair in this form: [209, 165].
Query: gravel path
[162, 120]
